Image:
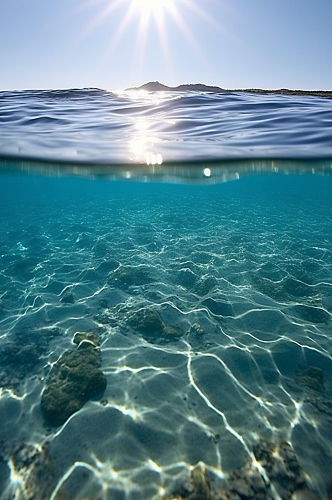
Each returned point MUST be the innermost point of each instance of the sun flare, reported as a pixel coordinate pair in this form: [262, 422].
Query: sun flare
[149, 19]
[155, 7]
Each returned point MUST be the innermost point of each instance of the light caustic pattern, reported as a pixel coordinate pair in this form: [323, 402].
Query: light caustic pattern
[236, 281]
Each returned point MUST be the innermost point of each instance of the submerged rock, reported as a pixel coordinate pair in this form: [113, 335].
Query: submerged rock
[310, 386]
[126, 276]
[21, 356]
[75, 378]
[282, 467]
[312, 378]
[68, 298]
[200, 484]
[149, 324]
[17, 362]
[198, 487]
[33, 465]
[282, 478]
[147, 321]
[171, 332]
[90, 336]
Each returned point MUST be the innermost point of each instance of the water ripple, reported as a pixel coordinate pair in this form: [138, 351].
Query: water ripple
[92, 125]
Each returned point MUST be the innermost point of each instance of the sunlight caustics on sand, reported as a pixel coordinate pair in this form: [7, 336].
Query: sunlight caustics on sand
[206, 308]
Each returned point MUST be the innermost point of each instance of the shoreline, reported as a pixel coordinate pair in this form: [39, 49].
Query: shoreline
[199, 87]
[314, 93]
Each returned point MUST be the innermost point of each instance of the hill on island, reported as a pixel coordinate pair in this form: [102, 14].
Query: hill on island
[201, 87]
[160, 87]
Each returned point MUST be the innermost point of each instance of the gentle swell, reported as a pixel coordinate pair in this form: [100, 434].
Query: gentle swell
[92, 125]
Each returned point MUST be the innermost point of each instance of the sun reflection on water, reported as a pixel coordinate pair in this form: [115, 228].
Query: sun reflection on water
[142, 145]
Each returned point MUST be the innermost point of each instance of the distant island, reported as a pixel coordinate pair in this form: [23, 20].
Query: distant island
[160, 87]
[200, 87]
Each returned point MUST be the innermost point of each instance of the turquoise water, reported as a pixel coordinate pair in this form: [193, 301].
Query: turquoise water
[241, 271]
[165, 296]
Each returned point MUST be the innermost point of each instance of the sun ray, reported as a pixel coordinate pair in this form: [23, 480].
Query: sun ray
[201, 12]
[103, 14]
[152, 17]
[152, 7]
[186, 32]
[163, 40]
[219, 26]
[142, 35]
[119, 32]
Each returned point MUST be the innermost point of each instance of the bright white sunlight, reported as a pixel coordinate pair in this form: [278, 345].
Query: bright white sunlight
[155, 7]
[164, 15]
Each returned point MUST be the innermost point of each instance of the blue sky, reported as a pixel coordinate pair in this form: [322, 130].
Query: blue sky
[100, 43]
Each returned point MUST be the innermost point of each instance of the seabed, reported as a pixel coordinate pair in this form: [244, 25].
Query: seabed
[165, 341]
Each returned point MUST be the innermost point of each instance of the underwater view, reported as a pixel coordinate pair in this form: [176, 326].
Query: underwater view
[165, 317]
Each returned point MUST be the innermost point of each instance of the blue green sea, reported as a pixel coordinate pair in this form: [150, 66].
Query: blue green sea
[165, 296]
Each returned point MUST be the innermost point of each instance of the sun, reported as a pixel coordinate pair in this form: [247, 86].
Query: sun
[149, 18]
[155, 7]
[152, 11]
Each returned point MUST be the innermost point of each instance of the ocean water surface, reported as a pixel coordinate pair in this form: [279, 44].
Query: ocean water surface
[165, 296]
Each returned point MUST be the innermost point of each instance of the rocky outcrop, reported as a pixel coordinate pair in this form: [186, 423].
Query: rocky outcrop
[75, 378]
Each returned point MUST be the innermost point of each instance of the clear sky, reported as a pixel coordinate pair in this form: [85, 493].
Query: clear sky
[114, 44]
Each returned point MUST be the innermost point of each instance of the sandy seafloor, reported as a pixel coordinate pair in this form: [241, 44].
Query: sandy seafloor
[240, 389]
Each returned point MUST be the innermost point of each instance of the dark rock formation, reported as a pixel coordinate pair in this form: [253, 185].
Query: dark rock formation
[149, 324]
[75, 378]
[34, 467]
[21, 355]
[312, 379]
[283, 478]
[126, 276]
[68, 297]
[197, 488]
[91, 337]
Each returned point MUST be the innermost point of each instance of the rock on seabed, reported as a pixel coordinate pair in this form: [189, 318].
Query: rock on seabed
[75, 378]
